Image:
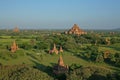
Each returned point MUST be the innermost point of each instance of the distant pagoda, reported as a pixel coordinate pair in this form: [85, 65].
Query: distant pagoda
[16, 29]
[14, 47]
[61, 50]
[75, 30]
[60, 61]
[60, 67]
[54, 50]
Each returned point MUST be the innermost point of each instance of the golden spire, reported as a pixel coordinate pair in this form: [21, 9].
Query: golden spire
[60, 61]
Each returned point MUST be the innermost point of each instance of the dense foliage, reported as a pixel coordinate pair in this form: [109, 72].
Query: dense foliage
[92, 73]
[22, 72]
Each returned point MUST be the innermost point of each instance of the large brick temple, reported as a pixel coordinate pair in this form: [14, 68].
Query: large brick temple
[75, 30]
[16, 29]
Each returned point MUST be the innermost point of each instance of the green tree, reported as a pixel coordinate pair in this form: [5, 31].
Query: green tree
[99, 58]
[71, 45]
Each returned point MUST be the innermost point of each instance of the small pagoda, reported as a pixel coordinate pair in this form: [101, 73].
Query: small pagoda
[14, 47]
[75, 30]
[54, 50]
[61, 50]
[16, 29]
[60, 67]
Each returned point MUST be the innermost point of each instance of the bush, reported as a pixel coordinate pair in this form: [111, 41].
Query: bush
[89, 73]
[22, 72]
[99, 58]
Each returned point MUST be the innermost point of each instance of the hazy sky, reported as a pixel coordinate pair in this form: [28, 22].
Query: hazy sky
[60, 14]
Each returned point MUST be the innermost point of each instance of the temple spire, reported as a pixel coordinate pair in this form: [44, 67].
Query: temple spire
[54, 48]
[60, 67]
[14, 47]
[14, 43]
[60, 61]
[61, 50]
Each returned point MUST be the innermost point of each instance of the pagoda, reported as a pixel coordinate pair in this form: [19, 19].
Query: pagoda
[75, 30]
[16, 29]
[61, 50]
[54, 50]
[60, 67]
[60, 61]
[14, 47]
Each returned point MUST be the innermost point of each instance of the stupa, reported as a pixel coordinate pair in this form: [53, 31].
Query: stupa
[54, 50]
[16, 29]
[61, 50]
[60, 67]
[14, 47]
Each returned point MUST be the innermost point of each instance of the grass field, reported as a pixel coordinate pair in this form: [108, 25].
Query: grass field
[46, 58]
[30, 57]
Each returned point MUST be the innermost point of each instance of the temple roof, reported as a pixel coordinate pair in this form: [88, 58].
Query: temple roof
[75, 26]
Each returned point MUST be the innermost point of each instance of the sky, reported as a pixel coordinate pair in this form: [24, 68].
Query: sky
[60, 14]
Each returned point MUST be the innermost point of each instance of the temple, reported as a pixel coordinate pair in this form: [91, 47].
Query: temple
[54, 50]
[16, 29]
[61, 50]
[14, 47]
[75, 30]
[60, 61]
[60, 67]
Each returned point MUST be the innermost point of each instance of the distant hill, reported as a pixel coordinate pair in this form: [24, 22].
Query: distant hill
[117, 29]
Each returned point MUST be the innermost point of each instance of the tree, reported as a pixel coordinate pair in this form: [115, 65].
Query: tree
[92, 53]
[26, 46]
[117, 59]
[99, 58]
[70, 45]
